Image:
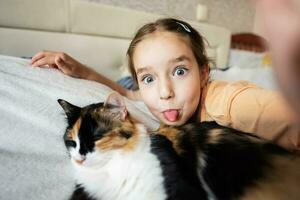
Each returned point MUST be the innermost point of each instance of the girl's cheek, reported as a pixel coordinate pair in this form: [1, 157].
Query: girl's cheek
[148, 95]
[188, 93]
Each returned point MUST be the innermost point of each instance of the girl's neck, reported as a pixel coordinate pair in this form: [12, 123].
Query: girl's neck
[199, 115]
[201, 109]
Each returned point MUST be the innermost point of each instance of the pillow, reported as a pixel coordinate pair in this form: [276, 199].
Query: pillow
[247, 59]
[262, 76]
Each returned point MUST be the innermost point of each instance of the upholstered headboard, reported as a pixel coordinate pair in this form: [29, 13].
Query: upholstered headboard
[249, 42]
[95, 34]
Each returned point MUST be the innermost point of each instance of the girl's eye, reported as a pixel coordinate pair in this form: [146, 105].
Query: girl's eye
[180, 71]
[147, 79]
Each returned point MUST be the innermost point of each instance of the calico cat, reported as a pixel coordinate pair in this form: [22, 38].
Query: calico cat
[115, 157]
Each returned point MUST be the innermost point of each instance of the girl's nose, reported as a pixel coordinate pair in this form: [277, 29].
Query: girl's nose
[166, 90]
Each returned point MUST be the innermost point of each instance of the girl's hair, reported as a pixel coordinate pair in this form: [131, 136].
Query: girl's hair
[181, 28]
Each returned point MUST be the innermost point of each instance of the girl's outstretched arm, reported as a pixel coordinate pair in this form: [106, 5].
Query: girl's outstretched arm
[246, 107]
[94, 76]
[72, 67]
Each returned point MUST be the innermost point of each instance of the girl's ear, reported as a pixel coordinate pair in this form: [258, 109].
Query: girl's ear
[116, 104]
[204, 74]
[71, 110]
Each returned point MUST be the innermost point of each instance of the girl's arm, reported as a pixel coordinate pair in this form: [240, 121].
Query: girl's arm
[72, 67]
[267, 115]
[94, 76]
[249, 108]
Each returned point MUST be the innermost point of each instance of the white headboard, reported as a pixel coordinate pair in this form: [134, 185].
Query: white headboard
[95, 34]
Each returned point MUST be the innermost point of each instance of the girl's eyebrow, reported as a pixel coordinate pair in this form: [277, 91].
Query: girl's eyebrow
[141, 70]
[175, 60]
[179, 59]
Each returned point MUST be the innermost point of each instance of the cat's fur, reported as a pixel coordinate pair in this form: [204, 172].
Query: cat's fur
[115, 157]
[236, 165]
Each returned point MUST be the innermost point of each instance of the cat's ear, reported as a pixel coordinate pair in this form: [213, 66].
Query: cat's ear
[71, 110]
[118, 105]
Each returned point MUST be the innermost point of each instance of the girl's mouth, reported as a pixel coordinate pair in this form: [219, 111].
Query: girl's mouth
[171, 115]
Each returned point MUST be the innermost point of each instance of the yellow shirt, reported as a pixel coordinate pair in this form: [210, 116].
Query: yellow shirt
[245, 106]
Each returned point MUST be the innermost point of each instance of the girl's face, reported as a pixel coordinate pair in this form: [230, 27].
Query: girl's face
[168, 76]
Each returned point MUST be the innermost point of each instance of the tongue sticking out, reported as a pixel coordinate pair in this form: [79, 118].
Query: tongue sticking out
[171, 115]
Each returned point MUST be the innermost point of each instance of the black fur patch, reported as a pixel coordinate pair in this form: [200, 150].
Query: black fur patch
[180, 181]
[234, 162]
[80, 194]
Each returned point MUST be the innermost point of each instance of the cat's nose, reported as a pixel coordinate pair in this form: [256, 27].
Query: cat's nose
[79, 161]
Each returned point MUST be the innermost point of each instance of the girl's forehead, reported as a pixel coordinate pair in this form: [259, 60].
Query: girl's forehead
[166, 36]
[161, 47]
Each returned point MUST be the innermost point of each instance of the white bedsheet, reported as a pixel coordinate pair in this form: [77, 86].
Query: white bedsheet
[34, 161]
[261, 76]
[249, 66]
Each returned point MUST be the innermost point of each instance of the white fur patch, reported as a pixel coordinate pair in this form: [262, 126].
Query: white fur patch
[118, 174]
[201, 165]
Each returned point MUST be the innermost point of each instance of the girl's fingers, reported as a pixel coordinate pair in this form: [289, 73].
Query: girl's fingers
[56, 60]
[37, 57]
[59, 62]
[41, 62]
[62, 65]
[53, 66]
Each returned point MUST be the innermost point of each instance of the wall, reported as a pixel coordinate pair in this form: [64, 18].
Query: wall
[236, 15]
[257, 24]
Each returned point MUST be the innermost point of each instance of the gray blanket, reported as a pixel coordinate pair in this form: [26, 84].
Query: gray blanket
[34, 160]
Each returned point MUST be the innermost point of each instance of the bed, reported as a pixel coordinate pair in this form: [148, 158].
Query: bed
[34, 161]
[249, 59]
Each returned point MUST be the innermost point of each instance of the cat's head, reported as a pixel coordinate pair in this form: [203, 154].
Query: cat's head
[96, 130]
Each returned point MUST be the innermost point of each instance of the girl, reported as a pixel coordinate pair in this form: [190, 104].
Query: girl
[168, 62]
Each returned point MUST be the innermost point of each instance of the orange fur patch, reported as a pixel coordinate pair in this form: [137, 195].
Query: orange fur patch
[132, 141]
[173, 135]
[115, 140]
[111, 140]
[214, 136]
[72, 134]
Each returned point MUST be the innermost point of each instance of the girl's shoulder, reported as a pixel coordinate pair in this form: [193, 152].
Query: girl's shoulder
[220, 95]
[219, 86]
[218, 89]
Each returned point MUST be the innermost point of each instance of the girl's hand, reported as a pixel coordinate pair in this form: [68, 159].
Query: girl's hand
[72, 67]
[62, 62]
[281, 27]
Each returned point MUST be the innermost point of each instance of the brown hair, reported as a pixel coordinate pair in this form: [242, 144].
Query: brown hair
[181, 28]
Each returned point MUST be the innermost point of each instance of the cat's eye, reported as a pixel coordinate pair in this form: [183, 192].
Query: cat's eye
[70, 143]
[98, 134]
[180, 71]
[97, 137]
